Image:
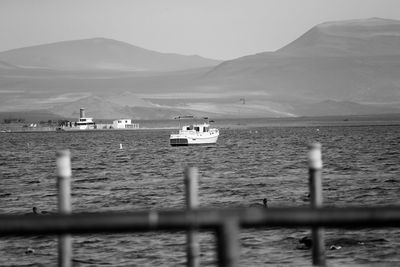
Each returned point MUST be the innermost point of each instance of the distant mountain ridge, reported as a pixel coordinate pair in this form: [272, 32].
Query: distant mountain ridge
[368, 37]
[356, 61]
[100, 54]
[335, 68]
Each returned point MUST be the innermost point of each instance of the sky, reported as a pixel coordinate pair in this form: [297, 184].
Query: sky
[218, 29]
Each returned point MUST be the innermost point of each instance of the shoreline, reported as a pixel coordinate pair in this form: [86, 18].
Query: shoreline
[240, 123]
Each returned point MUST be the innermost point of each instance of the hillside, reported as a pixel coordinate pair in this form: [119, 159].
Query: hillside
[100, 54]
[368, 37]
[335, 68]
[356, 61]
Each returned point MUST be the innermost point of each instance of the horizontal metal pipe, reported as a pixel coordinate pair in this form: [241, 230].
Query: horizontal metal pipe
[205, 219]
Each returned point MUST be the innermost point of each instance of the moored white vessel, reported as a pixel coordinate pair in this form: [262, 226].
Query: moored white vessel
[85, 123]
[195, 134]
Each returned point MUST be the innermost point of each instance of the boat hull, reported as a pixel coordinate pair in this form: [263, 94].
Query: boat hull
[188, 141]
[179, 142]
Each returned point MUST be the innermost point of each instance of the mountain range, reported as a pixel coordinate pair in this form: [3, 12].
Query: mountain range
[99, 54]
[335, 68]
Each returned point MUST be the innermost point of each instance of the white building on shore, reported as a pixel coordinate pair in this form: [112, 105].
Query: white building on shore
[125, 124]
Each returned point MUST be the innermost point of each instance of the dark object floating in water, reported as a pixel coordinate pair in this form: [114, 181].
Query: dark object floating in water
[265, 202]
[307, 241]
[306, 197]
[264, 205]
[338, 243]
[35, 211]
[29, 251]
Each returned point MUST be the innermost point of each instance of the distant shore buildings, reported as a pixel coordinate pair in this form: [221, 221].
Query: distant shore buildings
[86, 123]
[82, 123]
[125, 124]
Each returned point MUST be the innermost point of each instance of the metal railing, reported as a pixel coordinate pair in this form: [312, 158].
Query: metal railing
[225, 223]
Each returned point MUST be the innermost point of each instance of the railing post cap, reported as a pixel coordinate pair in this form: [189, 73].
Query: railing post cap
[314, 156]
[63, 163]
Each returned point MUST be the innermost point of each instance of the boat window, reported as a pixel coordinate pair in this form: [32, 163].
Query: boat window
[205, 129]
[197, 129]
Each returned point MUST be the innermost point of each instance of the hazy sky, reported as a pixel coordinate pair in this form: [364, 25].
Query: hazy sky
[220, 29]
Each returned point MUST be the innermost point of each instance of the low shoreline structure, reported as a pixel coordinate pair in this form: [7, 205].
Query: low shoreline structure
[57, 129]
[241, 123]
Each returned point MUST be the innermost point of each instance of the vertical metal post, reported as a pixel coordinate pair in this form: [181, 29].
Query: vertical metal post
[228, 243]
[63, 163]
[192, 202]
[315, 184]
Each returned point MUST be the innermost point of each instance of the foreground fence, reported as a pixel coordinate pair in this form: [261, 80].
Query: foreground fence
[226, 223]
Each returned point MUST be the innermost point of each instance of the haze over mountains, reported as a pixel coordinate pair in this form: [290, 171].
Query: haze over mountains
[336, 68]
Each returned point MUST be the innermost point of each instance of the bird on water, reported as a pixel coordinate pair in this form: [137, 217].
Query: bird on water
[264, 205]
[35, 211]
[265, 202]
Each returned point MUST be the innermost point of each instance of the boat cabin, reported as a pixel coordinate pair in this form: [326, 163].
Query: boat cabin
[198, 128]
[85, 123]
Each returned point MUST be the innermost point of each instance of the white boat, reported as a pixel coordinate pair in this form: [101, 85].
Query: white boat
[84, 123]
[195, 134]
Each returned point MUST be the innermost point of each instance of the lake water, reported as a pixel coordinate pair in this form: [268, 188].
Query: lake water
[361, 168]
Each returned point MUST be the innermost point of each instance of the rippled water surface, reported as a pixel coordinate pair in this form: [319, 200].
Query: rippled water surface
[361, 168]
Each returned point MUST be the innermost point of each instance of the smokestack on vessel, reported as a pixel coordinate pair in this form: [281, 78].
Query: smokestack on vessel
[82, 113]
